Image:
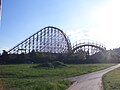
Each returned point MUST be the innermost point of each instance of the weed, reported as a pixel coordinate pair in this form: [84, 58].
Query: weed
[26, 77]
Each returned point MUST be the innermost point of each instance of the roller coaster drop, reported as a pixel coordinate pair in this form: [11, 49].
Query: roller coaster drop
[53, 40]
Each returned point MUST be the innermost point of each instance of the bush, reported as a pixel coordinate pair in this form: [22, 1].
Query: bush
[51, 65]
[58, 64]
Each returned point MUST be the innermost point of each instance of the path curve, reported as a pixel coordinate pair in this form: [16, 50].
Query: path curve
[91, 81]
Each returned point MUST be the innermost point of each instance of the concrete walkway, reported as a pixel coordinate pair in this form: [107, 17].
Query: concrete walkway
[91, 81]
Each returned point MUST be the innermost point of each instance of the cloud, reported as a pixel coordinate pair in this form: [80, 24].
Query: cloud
[77, 34]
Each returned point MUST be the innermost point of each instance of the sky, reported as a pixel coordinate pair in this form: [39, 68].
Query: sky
[97, 20]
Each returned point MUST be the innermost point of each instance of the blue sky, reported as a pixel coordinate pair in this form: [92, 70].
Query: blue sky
[80, 19]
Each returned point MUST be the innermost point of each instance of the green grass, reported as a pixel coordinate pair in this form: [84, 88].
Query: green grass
[111, 80]
[26, 77]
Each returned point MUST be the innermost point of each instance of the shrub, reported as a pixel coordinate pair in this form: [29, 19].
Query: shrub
[51, 65]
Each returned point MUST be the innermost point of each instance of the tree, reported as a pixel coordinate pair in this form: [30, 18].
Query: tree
[5, 57]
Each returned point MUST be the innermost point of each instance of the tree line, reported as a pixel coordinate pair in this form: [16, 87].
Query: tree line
[108, 56]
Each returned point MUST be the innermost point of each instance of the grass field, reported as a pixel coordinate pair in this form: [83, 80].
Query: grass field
[26, 77]
[111, 80]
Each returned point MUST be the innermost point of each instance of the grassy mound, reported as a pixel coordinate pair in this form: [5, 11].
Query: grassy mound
[54, 64]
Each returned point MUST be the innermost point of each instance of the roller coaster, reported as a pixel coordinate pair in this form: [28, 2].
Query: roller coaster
[89, 46]
[54, 40]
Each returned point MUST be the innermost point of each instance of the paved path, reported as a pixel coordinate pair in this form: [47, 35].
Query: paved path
[91, 81]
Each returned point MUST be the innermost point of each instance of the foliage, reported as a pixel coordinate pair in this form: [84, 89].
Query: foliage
[109, 56]
[105, 57]
[58, 64]
[26, 77]
[111, 80]
[33, 57]
[53, 64]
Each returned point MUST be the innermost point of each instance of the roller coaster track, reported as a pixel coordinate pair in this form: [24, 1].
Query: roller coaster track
[54, 40]
[49, 39]
[89, 46]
